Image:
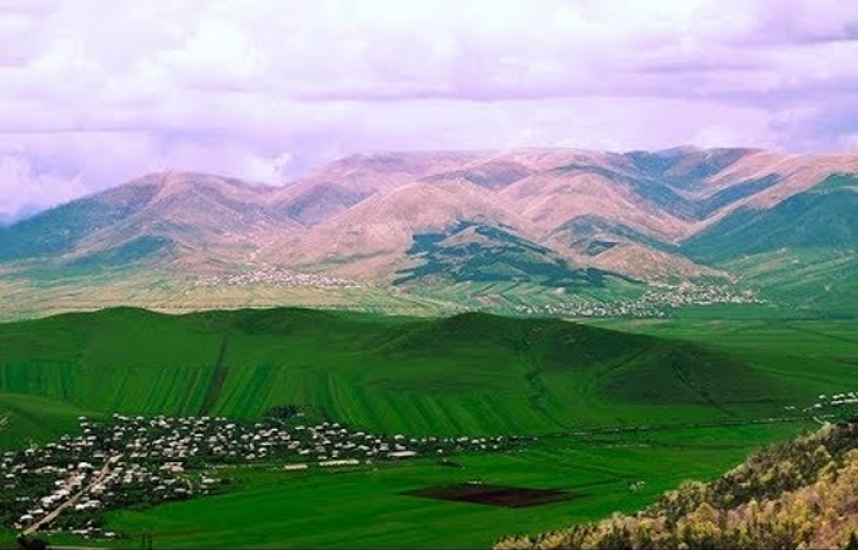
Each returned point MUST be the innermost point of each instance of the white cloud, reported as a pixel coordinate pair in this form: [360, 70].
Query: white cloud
[22, 187]
[112, 90]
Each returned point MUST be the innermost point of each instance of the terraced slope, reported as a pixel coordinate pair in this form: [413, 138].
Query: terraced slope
[472, 373]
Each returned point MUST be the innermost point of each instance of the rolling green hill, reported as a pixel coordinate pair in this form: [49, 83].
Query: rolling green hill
[472, 373]
[802, 251]
[823, 217]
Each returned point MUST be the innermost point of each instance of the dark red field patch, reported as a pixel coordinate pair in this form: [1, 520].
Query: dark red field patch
[492, 495]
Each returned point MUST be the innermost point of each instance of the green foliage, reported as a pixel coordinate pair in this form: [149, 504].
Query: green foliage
[482, 253]
[282, 412]
[784, 496]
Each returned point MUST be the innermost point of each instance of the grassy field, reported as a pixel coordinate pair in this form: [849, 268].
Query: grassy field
[822, 356]
[469, 374]
[363, 507]
[31, 298]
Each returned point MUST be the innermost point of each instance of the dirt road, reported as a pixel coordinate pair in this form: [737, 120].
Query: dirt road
[74, 498]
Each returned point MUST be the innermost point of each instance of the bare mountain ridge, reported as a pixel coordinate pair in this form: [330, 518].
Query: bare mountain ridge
[378, 231]
[663, 196]
[623, 212]
[193, 219]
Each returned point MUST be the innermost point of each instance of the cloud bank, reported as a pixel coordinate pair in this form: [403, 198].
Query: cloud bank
[96, 92]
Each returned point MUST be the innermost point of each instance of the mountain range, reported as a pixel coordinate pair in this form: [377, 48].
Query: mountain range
[561, 218]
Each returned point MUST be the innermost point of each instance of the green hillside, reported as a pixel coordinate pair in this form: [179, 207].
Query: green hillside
[481, 253]
[822, 280]
[472, 373]
[25, 418]
[58, 230]
[801, 253]
[823, 217]
[796, 494]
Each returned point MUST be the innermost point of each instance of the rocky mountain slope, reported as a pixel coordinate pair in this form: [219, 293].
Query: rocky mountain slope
[668, 216]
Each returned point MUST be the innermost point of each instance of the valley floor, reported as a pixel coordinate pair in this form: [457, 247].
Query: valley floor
[363, 506]
[615, 431]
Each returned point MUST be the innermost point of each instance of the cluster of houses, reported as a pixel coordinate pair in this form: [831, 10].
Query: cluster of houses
[835, 400]
[208, 440]
[593, 309]
[78, 491]
[277, 277]
[654, 303]
[144, 460]
[848, 398]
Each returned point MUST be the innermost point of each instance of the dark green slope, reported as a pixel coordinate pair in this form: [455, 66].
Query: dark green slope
[481, 253]
[823, 217]
[58, 230]
[473, 373]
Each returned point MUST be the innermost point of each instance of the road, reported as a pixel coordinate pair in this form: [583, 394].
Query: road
[74, 498]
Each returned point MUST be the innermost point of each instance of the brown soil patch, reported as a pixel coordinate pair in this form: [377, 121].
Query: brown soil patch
[492, 495]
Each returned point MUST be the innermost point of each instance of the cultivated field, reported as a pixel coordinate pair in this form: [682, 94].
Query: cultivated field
[621, 417]
[364, 506]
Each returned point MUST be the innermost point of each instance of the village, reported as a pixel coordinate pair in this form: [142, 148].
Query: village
[654, 303]
[133, 460]
[276, 277]
[845, 400]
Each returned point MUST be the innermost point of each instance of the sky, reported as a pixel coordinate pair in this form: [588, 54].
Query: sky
[94, 93]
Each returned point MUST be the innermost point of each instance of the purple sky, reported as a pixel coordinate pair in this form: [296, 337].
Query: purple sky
[94, 93]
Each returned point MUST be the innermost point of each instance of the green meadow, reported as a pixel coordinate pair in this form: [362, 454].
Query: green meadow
[471, 374]
[686, 395]
[362, 507]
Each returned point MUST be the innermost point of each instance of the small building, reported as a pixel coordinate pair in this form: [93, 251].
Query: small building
[402, 454]
[344, 462]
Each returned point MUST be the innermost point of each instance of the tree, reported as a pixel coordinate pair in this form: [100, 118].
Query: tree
[853, 541]
[32, 544]
[282, 412]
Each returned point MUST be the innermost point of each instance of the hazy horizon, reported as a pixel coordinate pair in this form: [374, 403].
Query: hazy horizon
[268, 91]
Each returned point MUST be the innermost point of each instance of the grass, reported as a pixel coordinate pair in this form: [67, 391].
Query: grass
[819, 355]
[363, 508]
[469, 374]
[26, 418]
